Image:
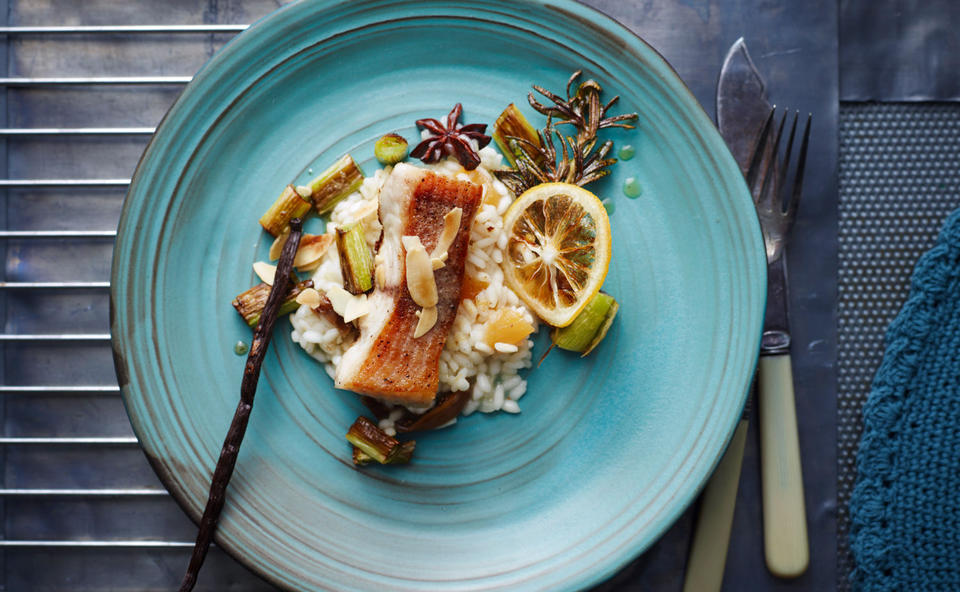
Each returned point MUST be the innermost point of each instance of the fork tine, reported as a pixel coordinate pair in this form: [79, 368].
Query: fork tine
[759, 146]
[766, 195]
[782, 173]
[798, 176]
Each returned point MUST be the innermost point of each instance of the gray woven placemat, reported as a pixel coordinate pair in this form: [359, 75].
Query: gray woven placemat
[899, 178]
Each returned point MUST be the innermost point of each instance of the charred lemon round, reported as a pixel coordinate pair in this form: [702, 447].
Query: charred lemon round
[558, 249]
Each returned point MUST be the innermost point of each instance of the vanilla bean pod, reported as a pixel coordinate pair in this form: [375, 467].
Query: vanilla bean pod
[248, 387]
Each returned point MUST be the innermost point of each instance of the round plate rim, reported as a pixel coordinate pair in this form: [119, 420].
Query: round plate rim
[595, 18]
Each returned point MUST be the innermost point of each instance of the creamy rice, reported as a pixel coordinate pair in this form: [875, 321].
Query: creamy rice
[493, 372]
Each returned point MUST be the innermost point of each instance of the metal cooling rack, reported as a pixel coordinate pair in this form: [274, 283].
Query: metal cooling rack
[81, 508]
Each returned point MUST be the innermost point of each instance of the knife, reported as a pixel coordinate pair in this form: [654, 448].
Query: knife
[742, 109]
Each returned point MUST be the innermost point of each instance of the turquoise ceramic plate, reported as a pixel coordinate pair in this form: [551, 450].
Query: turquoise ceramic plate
[608, 450]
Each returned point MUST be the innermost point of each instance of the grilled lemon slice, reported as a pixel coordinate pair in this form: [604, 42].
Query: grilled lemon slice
[558, 249]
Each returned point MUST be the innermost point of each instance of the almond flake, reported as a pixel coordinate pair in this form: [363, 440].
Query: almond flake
[304, 191]
[309, 297]
[311, 251]
[420, 280]
[451, 224]
[265, 272]
[365, 210]
[338, 299]
[380, 274]
[278, 243]
[428, 318]
[356, 307]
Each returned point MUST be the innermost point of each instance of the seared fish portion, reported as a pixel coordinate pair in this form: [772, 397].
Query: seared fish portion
[386, 361]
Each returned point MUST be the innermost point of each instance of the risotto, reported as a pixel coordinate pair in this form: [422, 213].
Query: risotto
[490, 371]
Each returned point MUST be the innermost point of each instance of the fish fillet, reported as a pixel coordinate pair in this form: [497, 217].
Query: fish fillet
[386, 361]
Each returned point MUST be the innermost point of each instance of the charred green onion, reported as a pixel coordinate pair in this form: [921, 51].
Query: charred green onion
[590, 327]
[390, 149]
[403, 455]
[512, 124]
[250, 304]
[291, 204]
[374, 444]
[332, 185]
[337, 182]
[238, 426]
[445, 410]
[356, 261]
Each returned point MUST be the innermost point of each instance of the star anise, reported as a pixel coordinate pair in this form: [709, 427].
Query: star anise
[450, 137]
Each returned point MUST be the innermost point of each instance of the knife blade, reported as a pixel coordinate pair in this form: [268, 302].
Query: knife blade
[742, 109]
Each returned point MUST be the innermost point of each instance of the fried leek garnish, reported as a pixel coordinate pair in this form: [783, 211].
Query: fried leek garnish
[337, 182]
[390, 149]
[250, 303]
[356, 260]
[325, 191]
[291, 204]
[513, 124]
[589, 327]
[375, 444]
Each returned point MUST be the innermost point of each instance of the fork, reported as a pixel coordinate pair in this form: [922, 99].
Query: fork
[784, 514]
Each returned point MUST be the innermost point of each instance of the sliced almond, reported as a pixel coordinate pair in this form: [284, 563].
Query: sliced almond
[278, 243]
[311, 251]
[380, 274]
[309, 297]
[451, 224]
[438, 262]
[356, 307]
[338, 299]
[365, 210]
[304, 191]
[428, 318]
[265, 271]
[420, 281]
[411, 242]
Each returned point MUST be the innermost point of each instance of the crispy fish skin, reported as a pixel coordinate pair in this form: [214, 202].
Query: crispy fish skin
[386, 361]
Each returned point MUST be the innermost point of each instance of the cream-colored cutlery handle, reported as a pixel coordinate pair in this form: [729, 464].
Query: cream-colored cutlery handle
[784, 513]
[711, 536]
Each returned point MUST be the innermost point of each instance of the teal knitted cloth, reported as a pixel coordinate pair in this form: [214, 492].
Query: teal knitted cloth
[905, 507]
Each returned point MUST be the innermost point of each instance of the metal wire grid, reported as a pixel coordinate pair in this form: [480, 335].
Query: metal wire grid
[81, 508]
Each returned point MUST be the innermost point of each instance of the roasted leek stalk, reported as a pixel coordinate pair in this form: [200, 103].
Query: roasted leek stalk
[337, 182]
[250, 303]
[291, 204]
[512, 124]
[590, 327]
[372, 443]
[356, 260]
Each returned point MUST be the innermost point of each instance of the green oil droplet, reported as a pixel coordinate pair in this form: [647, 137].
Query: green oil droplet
[608, 205]
[631, 188]
[241, 348]
[627, 152]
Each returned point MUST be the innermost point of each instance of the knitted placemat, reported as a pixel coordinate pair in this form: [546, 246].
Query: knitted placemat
[899, 180]
[905, 507]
